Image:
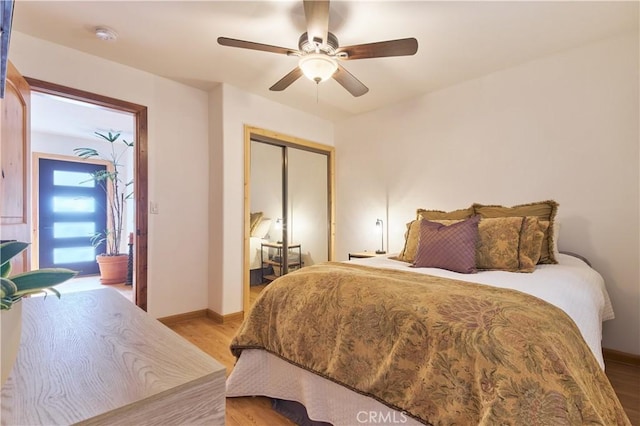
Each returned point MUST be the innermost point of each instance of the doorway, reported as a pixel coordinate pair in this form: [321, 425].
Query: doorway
[139, 170]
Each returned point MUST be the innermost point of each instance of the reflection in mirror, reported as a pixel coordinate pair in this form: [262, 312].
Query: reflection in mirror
[308, 205]
[288, 207]
[266, 207]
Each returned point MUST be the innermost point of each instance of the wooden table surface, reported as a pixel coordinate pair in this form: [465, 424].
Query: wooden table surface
[93, 357]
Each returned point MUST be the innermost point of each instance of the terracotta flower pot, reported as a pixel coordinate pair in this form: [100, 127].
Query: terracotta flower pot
[113, 269]
[11, 320]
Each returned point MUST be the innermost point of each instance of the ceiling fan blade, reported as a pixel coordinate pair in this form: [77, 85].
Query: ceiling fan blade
[317, 16]
[401, 47]
[286, 81]
[231, 42]
[349, 82]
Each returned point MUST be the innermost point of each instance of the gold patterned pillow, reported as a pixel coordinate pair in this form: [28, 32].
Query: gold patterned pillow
[545, 211]
[533, 231]
[509, 243]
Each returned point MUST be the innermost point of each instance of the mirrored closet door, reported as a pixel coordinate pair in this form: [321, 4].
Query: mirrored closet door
[288, 206]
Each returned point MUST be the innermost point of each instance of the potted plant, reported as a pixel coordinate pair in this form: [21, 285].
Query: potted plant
[112, 264]
[12, 290]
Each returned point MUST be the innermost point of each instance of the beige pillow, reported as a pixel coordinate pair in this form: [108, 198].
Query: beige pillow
[441, 215]
[545, 211]
[509, 243]
[254, 220]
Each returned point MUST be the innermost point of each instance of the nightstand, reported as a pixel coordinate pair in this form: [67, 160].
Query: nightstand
[276, 260]
[364, 254]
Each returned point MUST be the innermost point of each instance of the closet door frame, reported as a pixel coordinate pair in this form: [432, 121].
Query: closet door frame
[279, 139]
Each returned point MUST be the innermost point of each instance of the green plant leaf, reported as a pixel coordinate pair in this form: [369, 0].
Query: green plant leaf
[11, 249]
[6, 303]
[54, 291]
[40, 279]
[5, 270]
[110, 138]
[44, 291]
[7, 288]
[86, 152]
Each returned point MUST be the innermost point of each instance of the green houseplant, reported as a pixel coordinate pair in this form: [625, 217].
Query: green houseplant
[113, 265]
[12, 290]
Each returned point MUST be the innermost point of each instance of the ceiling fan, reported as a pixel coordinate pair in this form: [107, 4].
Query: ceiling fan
[320, 53]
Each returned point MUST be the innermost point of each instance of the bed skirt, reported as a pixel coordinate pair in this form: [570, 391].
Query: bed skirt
[259, 373]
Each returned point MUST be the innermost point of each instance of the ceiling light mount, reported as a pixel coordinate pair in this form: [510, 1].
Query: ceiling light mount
[106, 34]
[304, 45]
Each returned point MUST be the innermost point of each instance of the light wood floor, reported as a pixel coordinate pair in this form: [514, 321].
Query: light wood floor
[214, 339]
[92, 282]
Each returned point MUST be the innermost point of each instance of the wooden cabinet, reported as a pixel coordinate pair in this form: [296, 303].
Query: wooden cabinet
[94, 358]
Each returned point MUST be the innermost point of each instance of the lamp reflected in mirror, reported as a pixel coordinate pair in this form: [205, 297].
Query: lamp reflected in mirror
[278, 227]
[380, 228]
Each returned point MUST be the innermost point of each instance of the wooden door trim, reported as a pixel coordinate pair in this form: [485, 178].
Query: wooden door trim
[141, 171]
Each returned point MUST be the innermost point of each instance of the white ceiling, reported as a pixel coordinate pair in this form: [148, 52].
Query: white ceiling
[457, 41]
[66, 117]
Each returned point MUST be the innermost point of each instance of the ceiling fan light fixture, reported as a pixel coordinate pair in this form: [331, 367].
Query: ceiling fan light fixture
[318, 67]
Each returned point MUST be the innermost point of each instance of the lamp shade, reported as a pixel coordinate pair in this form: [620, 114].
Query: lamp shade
[317, 66]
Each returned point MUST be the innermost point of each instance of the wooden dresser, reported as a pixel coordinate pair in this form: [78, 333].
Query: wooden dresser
[94, 358]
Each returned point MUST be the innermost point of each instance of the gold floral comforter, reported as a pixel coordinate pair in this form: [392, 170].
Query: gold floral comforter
[443, 351]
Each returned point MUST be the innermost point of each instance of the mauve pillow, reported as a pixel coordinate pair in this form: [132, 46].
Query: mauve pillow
[450, 247]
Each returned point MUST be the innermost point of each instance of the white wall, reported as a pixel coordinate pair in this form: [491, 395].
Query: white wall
[227, 193]
[565, 127]
[178, 162]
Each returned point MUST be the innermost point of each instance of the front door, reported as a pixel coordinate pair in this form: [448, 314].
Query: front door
[71, 210]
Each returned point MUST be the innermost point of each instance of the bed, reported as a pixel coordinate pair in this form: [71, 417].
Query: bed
[381, 341]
